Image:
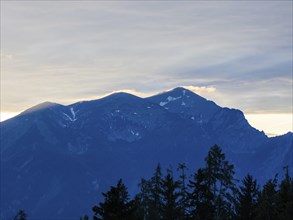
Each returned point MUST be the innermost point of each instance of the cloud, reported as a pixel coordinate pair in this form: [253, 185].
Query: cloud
[130, 91]
[271, 124]
[201, 89]
[238, 54]
[6, 57]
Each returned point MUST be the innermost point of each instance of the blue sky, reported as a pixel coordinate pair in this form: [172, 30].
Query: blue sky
[237, 53]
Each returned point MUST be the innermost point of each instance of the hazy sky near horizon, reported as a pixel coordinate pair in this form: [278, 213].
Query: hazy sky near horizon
[236, 53]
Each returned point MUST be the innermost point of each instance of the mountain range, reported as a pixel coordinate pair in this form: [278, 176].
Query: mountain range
[56, 159]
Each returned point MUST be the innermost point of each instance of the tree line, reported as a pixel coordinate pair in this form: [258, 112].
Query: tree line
[211, 193]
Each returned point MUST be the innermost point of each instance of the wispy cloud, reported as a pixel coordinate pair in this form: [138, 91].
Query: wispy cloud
[66, 51]
[201, 89]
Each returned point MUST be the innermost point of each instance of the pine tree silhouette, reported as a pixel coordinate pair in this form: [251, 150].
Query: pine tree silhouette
[21, 215]
[116, 205]
[247, 198]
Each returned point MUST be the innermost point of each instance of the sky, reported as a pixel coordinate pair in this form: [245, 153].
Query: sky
[236, 53]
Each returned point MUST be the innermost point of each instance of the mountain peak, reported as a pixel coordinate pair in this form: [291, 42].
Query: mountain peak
[41, 106]
[47, 149]
[179, 91]
[185, 102]
[122, 96]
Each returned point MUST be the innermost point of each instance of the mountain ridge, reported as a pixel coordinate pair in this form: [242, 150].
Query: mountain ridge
[86, 146]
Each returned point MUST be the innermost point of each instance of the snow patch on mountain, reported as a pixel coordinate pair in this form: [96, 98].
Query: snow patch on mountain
[138, 136]
[129, 134]
[71, 118]
[163, 103]
[170, 99]
[67, 116]
[73, 114]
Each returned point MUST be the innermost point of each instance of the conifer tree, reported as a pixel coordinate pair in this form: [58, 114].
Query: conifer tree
[140, 213]
[211, 194]
[183, 190]
[116, 205]
[143, 199]
[221, 182]
[155, 200]
[266, 209]
[21, 215]
[85, 217]
[285, 198]
[170, 196]
[247, 198]
[200, 198]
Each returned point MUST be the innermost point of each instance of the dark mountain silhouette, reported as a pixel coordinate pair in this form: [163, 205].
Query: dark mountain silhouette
[56, 160]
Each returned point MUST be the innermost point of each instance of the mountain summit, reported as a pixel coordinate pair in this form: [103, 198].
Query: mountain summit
[187, 103]
[56, 160]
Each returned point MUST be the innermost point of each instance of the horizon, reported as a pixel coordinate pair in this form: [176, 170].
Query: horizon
[238, 54]
[263, 122]
[66, 139]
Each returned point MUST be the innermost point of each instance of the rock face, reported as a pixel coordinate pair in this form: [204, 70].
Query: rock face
[56, 160]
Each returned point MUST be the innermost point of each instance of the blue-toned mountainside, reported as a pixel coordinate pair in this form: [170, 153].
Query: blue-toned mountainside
[56, 160]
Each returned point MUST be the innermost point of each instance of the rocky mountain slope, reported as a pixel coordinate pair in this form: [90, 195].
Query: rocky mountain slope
[56, 160]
